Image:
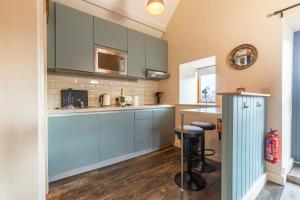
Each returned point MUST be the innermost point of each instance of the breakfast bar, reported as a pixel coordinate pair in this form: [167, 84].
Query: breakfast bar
[244, 124]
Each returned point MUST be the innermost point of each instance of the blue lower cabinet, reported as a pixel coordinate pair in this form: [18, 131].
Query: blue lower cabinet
[163, 127]
[73, 142]
[116, 134]
[143, 130]
[77, 141]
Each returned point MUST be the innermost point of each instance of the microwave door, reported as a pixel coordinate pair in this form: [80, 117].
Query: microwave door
[107, 63]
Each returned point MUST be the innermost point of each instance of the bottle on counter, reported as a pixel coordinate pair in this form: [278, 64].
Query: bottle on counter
[122, 98]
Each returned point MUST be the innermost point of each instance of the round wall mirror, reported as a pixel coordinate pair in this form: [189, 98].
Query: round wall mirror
[243, 56]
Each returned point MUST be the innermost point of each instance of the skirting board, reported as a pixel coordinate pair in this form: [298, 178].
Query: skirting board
[256, 188]
[102, 164]
[280, 178]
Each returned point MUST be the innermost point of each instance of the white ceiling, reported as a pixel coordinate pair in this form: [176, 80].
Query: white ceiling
[136, 10]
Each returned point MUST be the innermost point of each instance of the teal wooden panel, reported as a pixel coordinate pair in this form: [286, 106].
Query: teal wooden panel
[224, 175]
[242, 144]
[51, 36]
[136, 54]
[116, 134]
[74, 39]
[239, 146]
[110, 35]
[73, 142]
[156, 54]
[163, 127]
[143, 114]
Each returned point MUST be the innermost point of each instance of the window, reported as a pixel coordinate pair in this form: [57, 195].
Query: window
[197, 76]
[206, 84]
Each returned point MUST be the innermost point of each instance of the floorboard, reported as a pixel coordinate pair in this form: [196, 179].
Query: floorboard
[148, 177]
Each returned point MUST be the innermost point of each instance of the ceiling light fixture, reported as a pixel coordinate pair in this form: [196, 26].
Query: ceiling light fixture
[155, 7]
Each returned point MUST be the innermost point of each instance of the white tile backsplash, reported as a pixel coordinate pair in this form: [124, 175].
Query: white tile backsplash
[145, 89]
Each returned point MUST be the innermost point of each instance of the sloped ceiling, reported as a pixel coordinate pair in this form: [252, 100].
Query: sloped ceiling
[136, 10]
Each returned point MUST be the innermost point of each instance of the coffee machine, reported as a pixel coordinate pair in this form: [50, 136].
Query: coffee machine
[158, 96]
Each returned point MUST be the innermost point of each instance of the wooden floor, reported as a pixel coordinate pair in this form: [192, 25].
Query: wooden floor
[148, 177]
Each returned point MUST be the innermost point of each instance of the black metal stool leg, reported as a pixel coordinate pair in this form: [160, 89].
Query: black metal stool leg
[191, 181]
[203, 166]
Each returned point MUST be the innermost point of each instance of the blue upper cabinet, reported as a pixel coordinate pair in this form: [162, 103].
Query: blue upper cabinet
[74, 39]
[156, 54]
[51, 36]
[110, 35]
[136, 54]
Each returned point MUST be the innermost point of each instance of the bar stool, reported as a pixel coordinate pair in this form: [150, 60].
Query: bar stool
[204, 166]
[191, 181]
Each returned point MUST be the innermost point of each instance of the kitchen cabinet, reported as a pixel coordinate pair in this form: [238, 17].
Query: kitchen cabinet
[156, 54]
[136, 54]
[110, 35]
[82, 142]
[73, 142]
[143, 130]
[116, 134]
[74, 39]
[51, 36]
[163, 127]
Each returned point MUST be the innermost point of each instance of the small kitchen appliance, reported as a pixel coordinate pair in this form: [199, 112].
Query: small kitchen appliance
[158, 96]
[74, 98]
[108, 61]
[104, 100]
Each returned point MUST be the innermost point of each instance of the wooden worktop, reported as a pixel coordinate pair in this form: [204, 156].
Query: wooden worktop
[244, 94]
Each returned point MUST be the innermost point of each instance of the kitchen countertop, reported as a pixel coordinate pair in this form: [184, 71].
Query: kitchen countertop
[106, 109]
[243, 94]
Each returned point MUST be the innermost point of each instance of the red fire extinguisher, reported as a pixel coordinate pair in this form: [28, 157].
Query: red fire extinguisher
[272, 146]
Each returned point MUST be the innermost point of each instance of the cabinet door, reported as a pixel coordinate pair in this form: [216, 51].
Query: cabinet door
[51, 36]
[73, 142]
[116, 134]
[109, 34]
[163, 125]
[143, 130]
[74, 39]
[136, 54]
[156, 54]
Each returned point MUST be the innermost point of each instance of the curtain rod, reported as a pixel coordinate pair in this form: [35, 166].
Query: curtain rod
[115, 13]
[280, 12]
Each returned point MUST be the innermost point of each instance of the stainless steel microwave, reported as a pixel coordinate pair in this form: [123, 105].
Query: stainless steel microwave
[110, 61]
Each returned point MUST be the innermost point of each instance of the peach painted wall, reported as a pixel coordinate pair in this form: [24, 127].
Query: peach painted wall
[200, 29]
[19, 118]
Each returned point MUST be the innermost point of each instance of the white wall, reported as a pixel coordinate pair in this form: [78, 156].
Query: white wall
[20, 59]
[287, 79]
[188, 84]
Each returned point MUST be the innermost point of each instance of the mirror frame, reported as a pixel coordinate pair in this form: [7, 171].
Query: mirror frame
[235, 50]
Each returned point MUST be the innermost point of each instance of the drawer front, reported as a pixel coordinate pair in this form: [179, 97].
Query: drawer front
[143, 114]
